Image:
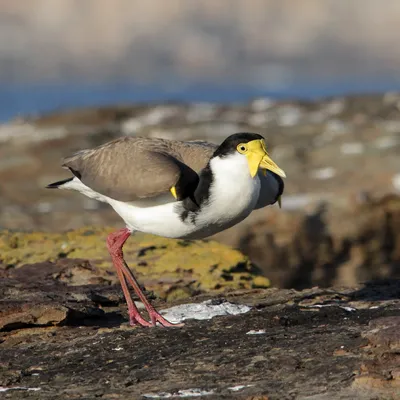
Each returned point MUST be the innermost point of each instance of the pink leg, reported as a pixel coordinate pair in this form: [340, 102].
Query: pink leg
[153, 313]
[115, 242]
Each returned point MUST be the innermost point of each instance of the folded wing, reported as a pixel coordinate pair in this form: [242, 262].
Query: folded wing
[130, 169]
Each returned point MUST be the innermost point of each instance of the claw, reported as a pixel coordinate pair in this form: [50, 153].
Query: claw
[137, 319]
[156, 317]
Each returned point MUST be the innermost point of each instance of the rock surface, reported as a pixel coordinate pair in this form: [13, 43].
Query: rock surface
[64, 330]
[315, 344]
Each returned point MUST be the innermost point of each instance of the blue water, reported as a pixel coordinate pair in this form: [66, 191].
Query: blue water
[32, 99]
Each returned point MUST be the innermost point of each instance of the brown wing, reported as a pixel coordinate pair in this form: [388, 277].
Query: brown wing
[195, 153]
[129, 169]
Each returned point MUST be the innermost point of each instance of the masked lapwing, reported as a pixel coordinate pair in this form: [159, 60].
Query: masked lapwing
[175, 189]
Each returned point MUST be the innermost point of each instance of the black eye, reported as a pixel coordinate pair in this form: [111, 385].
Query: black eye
[242, 148]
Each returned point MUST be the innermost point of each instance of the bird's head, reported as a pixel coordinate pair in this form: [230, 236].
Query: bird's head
[252, 147]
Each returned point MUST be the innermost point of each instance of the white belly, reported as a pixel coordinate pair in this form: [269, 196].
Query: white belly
[161, 220]
[168, 220]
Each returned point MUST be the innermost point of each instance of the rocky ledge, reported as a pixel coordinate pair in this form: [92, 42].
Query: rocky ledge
[36, 267]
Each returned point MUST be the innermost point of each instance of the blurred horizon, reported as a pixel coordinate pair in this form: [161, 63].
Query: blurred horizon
[58, 54]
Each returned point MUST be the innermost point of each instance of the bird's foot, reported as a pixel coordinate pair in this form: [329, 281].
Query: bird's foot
[136, 319]
[157, 317]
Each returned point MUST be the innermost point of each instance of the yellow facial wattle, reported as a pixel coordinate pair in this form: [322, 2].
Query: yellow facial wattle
[257, 157]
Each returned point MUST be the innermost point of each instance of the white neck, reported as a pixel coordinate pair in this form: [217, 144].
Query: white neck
[233, 192]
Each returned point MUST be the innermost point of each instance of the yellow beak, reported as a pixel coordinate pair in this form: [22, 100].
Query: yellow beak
[258, 157]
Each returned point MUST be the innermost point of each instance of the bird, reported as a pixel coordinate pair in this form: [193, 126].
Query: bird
[175, 189]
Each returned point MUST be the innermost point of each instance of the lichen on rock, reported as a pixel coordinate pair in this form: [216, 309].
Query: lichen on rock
[171, 268]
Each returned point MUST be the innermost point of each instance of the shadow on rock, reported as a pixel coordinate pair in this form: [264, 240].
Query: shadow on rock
[329, 247]
[378, 290]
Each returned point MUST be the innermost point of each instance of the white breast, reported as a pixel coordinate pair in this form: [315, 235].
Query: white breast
[233, 196]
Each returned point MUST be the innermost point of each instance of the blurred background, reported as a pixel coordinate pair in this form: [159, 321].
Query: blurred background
[318, 78]
[63, 53]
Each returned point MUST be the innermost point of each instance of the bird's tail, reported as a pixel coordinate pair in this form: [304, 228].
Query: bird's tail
[57, 185]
